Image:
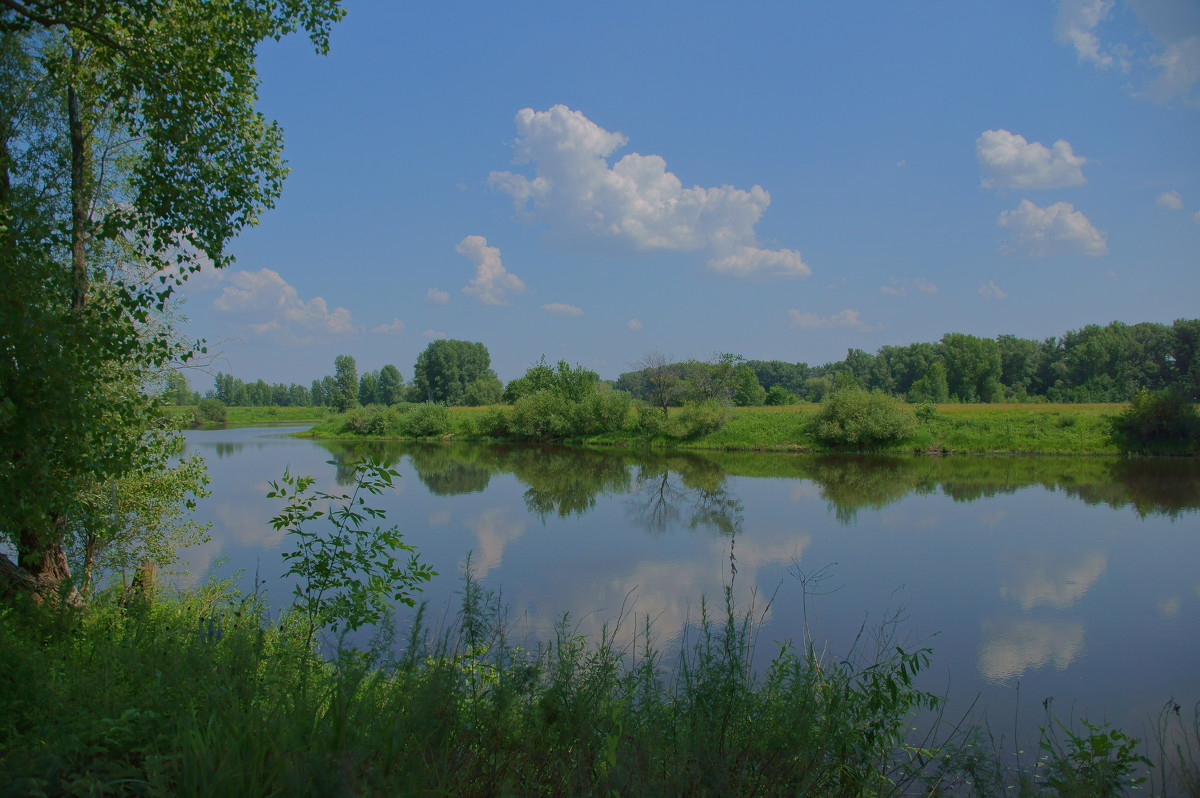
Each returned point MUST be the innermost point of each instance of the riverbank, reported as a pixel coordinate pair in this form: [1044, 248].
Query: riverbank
[203, 693]
[1024, 429]
[249, 416]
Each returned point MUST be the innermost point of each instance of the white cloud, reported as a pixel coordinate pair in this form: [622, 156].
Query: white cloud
[1171, 200]
[898, 287]
[635, 205]
[492, 283]
[992, 291]
[846, 318]
[1180, 65]
[562, 309]
[1076, 26]
[437, 296]
[434, 334]
[394, 327]
[264, 303]
[634, 324]
[1009, 161]
[1165, 62]
[1056, 230]
[1196, 217]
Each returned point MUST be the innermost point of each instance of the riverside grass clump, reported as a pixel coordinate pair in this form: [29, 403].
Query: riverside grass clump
[207, 693]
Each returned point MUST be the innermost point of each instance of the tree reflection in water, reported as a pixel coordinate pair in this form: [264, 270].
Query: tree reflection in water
[669, 489]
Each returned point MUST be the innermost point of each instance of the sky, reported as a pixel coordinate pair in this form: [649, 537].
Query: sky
[776, 180]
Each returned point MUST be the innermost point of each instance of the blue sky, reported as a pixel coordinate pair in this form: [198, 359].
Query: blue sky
[780, 180]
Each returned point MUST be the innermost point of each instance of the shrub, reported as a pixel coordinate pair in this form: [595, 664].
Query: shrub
[543, 416]
[370, 420]
[494, 422]
[427, 421]
[650, 422]
[212, 410]
[697, 419]
[852, 418]
[1159, 421]
[778, 395]
[603, 411]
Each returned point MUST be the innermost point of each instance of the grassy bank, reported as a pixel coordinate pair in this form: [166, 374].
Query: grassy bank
[949, 428]
[205, 694]
[251, 416]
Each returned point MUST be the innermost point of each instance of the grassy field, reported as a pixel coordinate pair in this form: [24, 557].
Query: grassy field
[949, 429]
[253, 416]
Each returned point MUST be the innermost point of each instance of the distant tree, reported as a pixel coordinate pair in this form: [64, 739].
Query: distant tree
[972, 367]
[178, 392]
[778, 395]
[713, 379]
[317, 394]
[345, 378]
[390, 388]
[932, 387]
[747, 392]
[368, 388]
[664, 384]
[446, 367]
[817, 388]
[486, 390]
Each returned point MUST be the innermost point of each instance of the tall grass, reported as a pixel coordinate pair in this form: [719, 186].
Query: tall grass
[205, 694]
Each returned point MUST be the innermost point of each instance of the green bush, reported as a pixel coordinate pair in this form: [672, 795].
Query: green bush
[852, 418]
[650, 422]
[370, 420]
[697, 419]
[1161, 421]
[426, 421]
[778, 395]
[212, 410]
[603, 411]
[494, 422]
[543, 416]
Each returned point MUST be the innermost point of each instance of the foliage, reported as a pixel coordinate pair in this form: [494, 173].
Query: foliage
[446, 367]
[345, 383]
[350, 575]
[542, 416]
[1162, 421]
[390, 388]
[370, 420]
[1101, 764]
[426, 421]
[856, 419]
[697, 419]
[747, 392]
[213, 410]
[131, 153]
[779, 396]
[482, 391]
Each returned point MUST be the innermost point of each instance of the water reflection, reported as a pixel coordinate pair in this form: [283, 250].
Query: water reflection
[1012, 647]
[1049, 579]
[688, 487]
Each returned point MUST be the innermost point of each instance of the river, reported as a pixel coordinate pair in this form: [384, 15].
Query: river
[1071, 579]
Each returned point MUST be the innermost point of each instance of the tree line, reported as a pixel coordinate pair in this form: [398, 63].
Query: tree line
[1108, 363]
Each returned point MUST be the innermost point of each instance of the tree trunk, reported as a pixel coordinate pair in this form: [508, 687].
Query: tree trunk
[79, 190]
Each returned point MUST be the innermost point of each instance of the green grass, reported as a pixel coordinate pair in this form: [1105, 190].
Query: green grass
[253, 416]
[205, 694]
[950, 428]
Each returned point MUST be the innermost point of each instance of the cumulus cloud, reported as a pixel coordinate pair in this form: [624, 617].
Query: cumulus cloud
[992, 291]
[492, 283]
[1076, 26]
[394, 327]
[1056, 230]
[264, 303]
[434, 334]
[634, 324]
[1009, 161]
[437, 296]
[812, 321]
[635, 205]
[562, 309]
[1171, 200]
[1179, 70]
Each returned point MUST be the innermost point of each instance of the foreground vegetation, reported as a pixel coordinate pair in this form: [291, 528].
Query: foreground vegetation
[208, 694]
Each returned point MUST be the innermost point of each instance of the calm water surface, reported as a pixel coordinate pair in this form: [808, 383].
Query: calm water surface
[1031, 578]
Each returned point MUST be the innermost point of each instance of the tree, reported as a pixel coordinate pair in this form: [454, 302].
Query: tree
[345, 383]
[130, 153]
[390, 388]
[664, 383]
[746, 390]
[368, 388]
[972, 367]
[446, 367]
